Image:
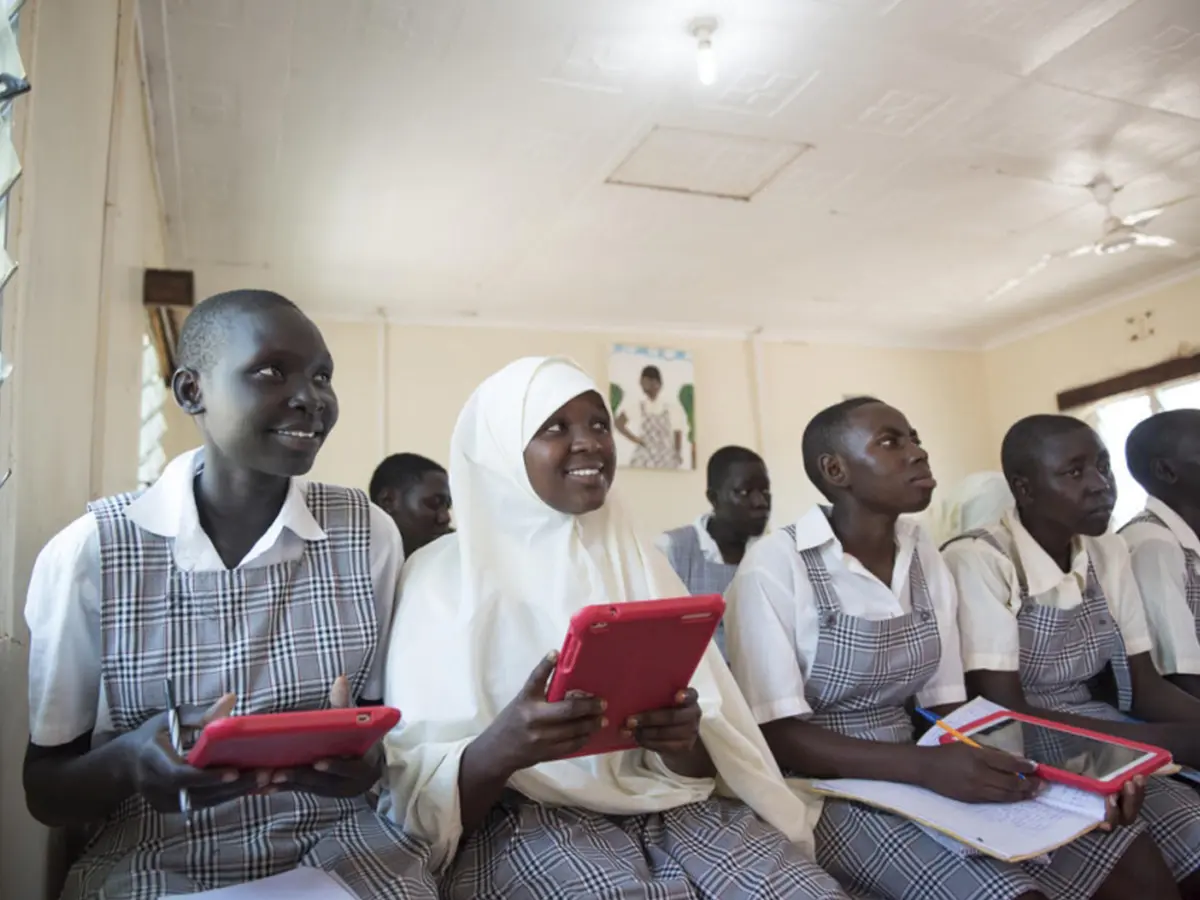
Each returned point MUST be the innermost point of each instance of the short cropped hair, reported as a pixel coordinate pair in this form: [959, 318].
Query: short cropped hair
[400, 471]
[822, 434]
[725, 459]
[1158, 437]
[1019, 449]
[207, 327]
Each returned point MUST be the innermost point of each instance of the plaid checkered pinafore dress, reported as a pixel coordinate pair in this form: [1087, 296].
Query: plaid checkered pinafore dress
[1191, 561]
[715, 850]
[1063, 652]
[699, 574]
[277, 636]
[864, 675]
[657, 449]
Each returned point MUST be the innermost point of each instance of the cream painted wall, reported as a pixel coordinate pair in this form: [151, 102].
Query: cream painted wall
[86, 221]
[432, 371]
[401, 388]
[1025, 376]
[939, 391]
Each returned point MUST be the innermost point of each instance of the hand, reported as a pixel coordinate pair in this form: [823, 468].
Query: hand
[531, 730]
[976, 774]
[159, 773]
[1124, 806]
[346, 777]
[671, 731]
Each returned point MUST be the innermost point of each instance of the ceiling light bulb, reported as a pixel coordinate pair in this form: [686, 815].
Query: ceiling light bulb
[706, 62]
[706, 59]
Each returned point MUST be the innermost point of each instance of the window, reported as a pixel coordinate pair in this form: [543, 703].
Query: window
[10, 166]
[1115, 417]
[151, 456]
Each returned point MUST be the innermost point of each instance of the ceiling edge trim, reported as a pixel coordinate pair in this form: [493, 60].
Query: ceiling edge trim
[1101, 303]
[827, 337]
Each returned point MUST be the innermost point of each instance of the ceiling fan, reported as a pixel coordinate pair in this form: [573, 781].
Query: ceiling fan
[1120, 233]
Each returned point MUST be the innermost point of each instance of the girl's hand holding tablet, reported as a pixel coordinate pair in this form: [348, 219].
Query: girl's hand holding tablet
[976, 774]
[532, 730]
[159, 773]
[668, 731]
[1124, 806]
[343, 777]
[673, 733]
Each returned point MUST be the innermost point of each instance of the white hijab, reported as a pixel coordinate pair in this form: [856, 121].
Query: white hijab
[978, 501]
[479, 608]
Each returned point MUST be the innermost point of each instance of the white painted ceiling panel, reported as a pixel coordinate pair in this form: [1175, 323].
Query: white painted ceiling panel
[453, 158]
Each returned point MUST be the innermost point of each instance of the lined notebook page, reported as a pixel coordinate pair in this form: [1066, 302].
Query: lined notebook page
[967, 714]
[303, 883]
[1009, 831]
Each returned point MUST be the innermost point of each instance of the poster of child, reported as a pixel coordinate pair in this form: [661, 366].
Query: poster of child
[653, 397]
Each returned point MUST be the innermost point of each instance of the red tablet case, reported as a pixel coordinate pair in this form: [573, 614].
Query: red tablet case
[1156, 761]
[283, 740]
[636, 656]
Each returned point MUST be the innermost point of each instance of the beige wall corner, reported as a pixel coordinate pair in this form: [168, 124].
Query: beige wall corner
[1025, 376]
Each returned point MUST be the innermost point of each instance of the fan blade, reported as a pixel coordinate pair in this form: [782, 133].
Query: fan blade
[1037, 267]
[1153, 240]
[1014, 282]
[1141, 218]
[1149, 215]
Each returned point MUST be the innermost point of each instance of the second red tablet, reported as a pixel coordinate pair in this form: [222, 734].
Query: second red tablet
[636, 656]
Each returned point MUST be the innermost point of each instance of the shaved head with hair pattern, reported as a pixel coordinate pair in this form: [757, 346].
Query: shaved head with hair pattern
[821, 436]
[1022, 444]
[207, 326]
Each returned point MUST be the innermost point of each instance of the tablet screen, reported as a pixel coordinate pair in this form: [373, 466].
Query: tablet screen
[1075, 753]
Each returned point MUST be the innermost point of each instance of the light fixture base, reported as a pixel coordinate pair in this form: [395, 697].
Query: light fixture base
[702, 29]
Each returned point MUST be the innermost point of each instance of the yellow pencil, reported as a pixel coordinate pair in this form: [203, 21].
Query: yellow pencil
[949, 729]
[953, 732]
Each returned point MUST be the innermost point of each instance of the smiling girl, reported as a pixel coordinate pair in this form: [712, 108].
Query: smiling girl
[254, 592]
[478, 766]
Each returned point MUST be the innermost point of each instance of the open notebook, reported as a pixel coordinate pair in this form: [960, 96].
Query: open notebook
[1013, 832]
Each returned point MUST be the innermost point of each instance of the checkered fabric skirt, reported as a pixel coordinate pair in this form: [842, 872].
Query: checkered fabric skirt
[716, 850]
[373, 857]
[875, 852]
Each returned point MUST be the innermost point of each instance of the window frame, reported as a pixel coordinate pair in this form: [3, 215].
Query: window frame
[1091, 413]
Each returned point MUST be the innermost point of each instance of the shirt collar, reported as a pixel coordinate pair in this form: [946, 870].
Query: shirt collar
[1042, 573]
[168, 508]
[708, 547]
[813, 531]
[1179, 528]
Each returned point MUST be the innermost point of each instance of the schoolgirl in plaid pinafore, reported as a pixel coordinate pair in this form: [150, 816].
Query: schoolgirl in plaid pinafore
[1063, 652]
[277, 636]
[1191, 560]
[700, 574]
[864, 675]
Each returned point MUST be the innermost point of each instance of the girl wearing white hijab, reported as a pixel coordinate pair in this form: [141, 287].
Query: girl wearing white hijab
[477, 766]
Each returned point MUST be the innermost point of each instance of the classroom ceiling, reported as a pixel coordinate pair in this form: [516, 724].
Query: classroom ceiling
[560, 163]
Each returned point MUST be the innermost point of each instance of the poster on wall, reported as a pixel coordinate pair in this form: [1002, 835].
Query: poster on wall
[653, 396]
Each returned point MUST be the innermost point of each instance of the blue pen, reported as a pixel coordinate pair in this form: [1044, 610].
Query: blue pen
[952, 731]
